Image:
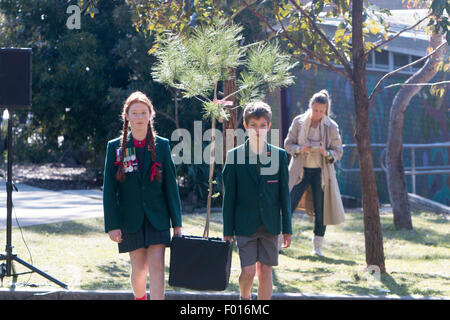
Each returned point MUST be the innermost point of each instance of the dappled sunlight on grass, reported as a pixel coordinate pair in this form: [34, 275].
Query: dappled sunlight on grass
[80, 254]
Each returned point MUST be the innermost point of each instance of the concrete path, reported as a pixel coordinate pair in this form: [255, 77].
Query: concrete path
[34, 206]
[22, 294]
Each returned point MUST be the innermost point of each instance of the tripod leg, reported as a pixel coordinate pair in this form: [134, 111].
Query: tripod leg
[14, 279]
[9, 257]
[29, 266]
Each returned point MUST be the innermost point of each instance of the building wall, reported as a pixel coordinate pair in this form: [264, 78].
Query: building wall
[427, 121]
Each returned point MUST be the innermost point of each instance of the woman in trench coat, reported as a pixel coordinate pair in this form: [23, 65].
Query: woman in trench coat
[314, 143]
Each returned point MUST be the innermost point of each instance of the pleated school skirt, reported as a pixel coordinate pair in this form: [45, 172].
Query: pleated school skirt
[146, 236]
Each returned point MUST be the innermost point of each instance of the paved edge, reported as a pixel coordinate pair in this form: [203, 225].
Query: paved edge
[8, 294]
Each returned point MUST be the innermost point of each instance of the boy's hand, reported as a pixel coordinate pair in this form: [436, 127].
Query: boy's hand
[177, 232]
[286, 240]
[228, 238]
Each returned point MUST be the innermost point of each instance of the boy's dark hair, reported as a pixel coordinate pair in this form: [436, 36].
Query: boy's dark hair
[257, 110]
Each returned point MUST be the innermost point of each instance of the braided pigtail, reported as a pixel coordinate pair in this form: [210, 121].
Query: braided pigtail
[151, 146]
[120, 175]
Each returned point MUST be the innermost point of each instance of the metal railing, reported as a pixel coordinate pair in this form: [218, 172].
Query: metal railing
[413, 171]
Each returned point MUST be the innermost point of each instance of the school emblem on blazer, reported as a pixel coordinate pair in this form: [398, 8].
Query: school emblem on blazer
[129, 160]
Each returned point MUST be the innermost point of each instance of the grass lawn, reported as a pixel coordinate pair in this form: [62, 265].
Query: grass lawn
[80, 254]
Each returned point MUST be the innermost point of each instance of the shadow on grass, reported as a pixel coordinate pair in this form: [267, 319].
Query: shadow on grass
[315, 258]
[328, 260]
[437, 218]
[393, 286]
[279, 286]
[112, 272]
[401, 289]
[356, 290]
[316, 274]
[419, 235]
[67, 227]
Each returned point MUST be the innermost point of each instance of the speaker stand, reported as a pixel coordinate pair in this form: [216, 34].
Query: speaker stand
[6, 269]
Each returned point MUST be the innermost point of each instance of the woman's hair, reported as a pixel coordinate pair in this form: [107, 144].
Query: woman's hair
[322, 97]
[135, 97]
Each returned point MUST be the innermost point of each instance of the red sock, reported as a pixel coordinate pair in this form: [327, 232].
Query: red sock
[142, 298]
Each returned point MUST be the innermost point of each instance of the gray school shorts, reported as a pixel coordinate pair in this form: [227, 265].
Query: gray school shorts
[260, 246]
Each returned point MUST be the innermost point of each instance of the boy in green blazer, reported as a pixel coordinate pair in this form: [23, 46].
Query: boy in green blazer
[256, 202]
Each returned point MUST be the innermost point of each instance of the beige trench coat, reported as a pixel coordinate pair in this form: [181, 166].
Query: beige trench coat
[333, 212]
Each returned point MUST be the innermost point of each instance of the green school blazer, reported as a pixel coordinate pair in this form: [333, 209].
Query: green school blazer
[126, 203]
[250, 199]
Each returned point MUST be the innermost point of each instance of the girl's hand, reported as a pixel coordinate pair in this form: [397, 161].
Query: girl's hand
[115, 235]
[228, 238]
[177, 232]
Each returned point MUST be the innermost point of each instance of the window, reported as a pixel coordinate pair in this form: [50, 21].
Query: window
[400, 60]
[386, 61]
[382, 60]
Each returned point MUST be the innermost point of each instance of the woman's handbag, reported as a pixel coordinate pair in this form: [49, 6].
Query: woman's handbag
[200, 263]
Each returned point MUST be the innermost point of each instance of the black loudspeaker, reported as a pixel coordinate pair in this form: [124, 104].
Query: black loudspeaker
[15, 78]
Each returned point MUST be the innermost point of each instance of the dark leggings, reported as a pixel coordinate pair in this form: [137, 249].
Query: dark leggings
[313, 177]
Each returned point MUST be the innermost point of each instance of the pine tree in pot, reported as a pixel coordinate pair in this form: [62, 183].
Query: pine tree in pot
[198, 64]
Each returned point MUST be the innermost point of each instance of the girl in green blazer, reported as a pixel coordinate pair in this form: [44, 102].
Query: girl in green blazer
[140, 196]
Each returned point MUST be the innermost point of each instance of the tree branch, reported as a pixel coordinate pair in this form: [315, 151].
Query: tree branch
[375, 90]
[299, 46]
[313, 24]
[396, 35]
[415, 84]
[166, 115]
[234, 93]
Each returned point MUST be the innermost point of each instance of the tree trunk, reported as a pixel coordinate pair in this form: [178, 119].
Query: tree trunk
[175, 99]
[372, 226]
[211, 176]
[229, 142]
[396, 180]
[176, 110]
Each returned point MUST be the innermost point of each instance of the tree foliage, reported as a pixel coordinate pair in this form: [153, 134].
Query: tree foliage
[82, 77]
[197, 65]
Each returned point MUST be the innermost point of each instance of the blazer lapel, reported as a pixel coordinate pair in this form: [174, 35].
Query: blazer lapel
[147, 160]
